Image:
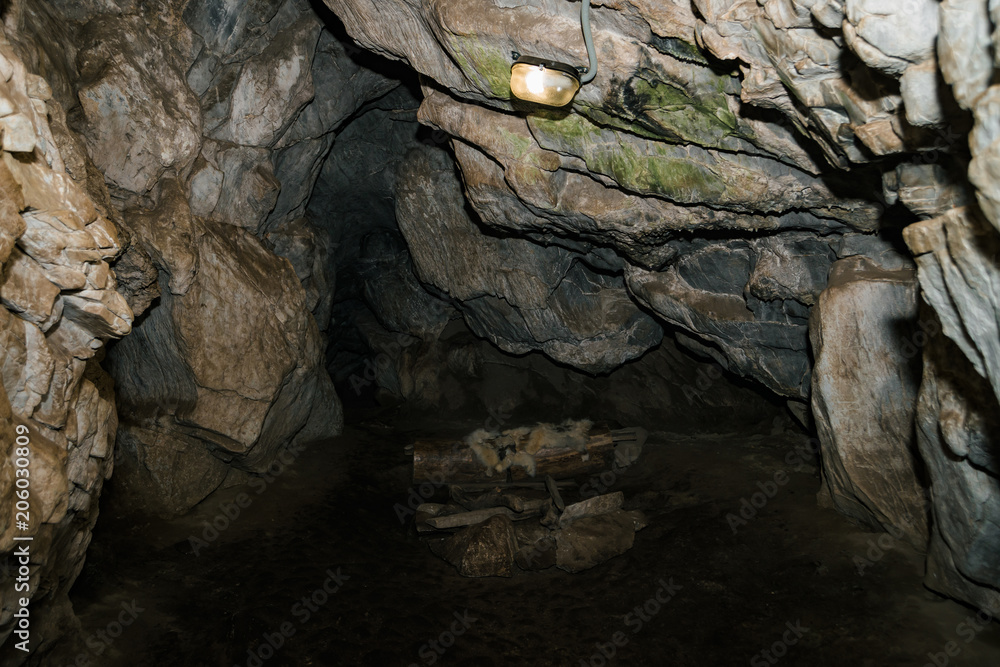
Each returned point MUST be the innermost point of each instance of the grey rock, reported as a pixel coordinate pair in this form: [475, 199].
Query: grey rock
[591, 507]
[351, 197]
[272, 88]
[249, 189]
[955, 255]
[704, 293]
[889, 37]
[866, 343]
[393, 292]
[518, 294]
[192, 389]
[131, 86]
[958, 432]
[302, 244]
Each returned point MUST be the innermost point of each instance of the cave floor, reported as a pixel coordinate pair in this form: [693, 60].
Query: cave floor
[787, 583]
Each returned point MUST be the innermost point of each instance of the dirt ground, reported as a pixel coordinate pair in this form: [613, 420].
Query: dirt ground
[319, 569]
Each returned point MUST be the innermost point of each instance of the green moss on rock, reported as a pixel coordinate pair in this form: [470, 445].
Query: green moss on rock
[484, 65]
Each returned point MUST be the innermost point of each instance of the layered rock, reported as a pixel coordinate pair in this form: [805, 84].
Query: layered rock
[209, 123]
[517, 294]
[225, 371]
[57, 407]
[720, 196]
[956, 418]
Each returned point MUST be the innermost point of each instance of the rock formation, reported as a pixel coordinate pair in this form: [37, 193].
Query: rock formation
[710, 155]
[60, 307]
[803, 193]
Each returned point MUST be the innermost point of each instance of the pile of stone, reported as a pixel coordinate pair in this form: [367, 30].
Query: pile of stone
[514, 524]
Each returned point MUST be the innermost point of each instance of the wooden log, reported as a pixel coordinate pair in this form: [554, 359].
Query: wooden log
[477, 516]
[429, 510]
[565, 462]
[518, 501]
[441, 461]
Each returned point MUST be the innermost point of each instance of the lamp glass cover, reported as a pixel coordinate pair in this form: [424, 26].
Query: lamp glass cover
[543, 85]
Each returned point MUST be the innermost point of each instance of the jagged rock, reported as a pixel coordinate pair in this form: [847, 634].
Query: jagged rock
[891, 37]
[341, 87]
[516, 185]
[984, 140]
[27, 291]
[955, 254]
[958, 431]
[197, 389]
[866, 342]
[964, 48]
[747, 299]
[484, 550]
[272, 88]
[349, 200]
[131, 86]
[60, 305]
[518, 294]
[394, 294]
[928, 190]
[248, 191]
[302, 244]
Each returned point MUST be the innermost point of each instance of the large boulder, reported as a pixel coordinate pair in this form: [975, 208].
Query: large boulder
[132, 86]
[866, 341]
[227, 369]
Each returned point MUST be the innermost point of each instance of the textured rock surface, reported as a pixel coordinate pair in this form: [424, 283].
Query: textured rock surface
[484, 550]
[748, 299]
[131, 86]
[720, 195]
[594, 539]
[209, 121]
[728, 153]
[518, 294]
[59, 308]
[866, 341]
[957, 415]
[188, 392]
[958, 430]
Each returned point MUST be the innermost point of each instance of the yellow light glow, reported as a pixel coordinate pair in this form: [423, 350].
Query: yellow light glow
[543, 85]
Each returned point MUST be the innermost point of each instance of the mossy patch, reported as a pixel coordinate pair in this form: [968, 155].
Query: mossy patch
[485, 66]
[667, 110]
[641, 166]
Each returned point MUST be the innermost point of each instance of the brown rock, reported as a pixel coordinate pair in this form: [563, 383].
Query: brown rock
[484, 550]
[26, 290]
[592, 540]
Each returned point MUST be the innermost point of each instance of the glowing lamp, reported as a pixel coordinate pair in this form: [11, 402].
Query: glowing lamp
[550, 82]
[544, 81]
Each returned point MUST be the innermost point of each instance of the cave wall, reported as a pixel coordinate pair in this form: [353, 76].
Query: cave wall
[773, 185]
[60, 307]
[752, 165]
[159, 157]
[210, 123]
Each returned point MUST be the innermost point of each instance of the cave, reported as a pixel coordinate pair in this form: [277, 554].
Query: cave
[326, 340]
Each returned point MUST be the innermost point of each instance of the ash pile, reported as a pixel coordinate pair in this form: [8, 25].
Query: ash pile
[512, 500]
